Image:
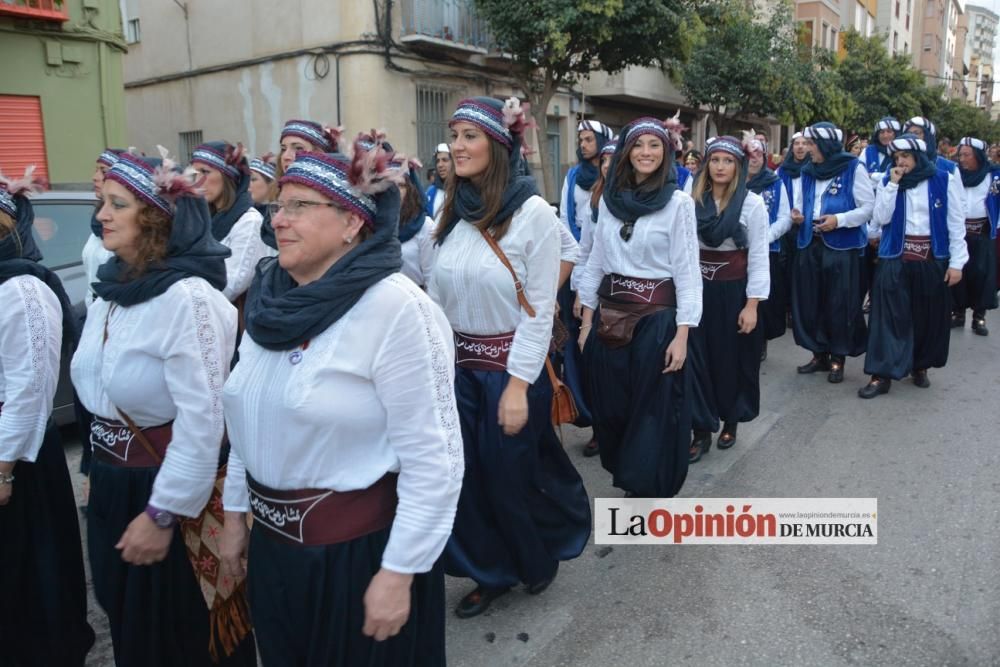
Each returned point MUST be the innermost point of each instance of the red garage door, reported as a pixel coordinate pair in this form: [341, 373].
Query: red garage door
[22, 141]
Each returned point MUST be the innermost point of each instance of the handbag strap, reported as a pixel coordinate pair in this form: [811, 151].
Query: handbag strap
[140, 436]
[521, 298]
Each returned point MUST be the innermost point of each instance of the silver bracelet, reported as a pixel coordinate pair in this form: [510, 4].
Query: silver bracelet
[6, 478]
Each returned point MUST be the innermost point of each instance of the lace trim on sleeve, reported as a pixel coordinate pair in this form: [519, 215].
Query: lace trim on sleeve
[208, 345]
[38, 332]
[251, 252]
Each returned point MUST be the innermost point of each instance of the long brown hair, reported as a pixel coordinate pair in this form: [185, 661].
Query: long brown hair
[492, 185]
[154, 235]
[227, 197]
[624, 175]
[598, 188]
[411, 205]
[703, 184]
[6, 225]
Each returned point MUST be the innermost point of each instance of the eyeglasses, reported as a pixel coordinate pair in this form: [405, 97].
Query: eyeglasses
[293, 207]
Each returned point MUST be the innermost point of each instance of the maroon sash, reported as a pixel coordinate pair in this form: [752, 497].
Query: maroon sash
[113, 442]
[483, 353]
[723, 264]
[916, 248]
[974, 227]
[646, 291]
[316, 517]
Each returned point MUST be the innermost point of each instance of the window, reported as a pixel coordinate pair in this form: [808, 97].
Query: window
[906, 47]
[434, 107]
[825, 35]
[928, 41]
[58, 231]
[132, 33]
[22, 141]
[188, 141]
[555, 152]
[897, 8]
[895, 41]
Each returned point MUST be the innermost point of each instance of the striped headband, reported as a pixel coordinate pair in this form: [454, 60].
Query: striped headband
[327, 174]
[797, 135]
[7, 204]
[828, 133]
[211, 156]
[595, 126]
[646, 125]
[978, 144]
[610, 147]
[264, 166]
[925, 123]
[480, 112]
[109, 156]
[888, 123]
[137, 174]
[312, 132]
[908, 144]
[726, 144]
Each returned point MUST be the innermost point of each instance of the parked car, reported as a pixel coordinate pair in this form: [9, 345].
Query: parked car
[62, 225]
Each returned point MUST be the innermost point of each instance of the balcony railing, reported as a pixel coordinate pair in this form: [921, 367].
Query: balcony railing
[45, 10]
[452, 23]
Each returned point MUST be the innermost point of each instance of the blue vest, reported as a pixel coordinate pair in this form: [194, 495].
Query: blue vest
[431, 193]
[772, 199]
[993, 203]
[787, 180]
[946, 164]
[838, 198]
[893, 234]
[874, 160]
[683, 174]
[571, 201]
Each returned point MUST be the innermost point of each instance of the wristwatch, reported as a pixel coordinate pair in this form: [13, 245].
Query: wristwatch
[162, 518]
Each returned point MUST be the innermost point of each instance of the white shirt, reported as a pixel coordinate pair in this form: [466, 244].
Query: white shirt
[248, 249]
[30, 343]
[418, 254]
[94, 254]
[783, 223]
[864, 199]
[439, 196]
[664, 244]
[975, 199]
[753, 216]
[373, 394]
[569, 249]
[165, 359]
[581, 198]
[477, 292]
[918, 218]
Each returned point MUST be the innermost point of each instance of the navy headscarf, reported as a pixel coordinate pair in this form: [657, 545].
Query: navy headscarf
[590, 172]
[628, 204]
[925, 167]
[20, 255]
[930, 133]
[714, 227]
[884, 123]
[829, 139]
[971, 179]
[791, 166]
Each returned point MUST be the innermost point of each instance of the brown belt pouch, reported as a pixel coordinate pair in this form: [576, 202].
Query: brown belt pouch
[624, 301]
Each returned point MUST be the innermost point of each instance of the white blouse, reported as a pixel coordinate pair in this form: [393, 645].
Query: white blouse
[569, 249]
[664, 244]
[753, 216]
[582, 199]
[783, 223]
[30, 343]
[165, 359]
[248, 249]
[373, 394]
[864, 199]
[477, 292]
[94, 254]
[418, 254]
[975, 199]
[918, 218]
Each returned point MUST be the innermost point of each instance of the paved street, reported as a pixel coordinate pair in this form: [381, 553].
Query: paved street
[927, 594]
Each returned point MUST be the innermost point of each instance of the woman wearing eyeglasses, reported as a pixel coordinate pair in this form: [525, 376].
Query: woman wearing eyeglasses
[643, 281]
[346, 444]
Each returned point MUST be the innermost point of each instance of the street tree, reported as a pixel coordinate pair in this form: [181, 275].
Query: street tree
[554, 43]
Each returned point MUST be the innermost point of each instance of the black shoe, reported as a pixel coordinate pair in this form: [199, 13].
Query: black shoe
[591, 448]
[979, 324]
[763, 352]
[920, 379]
[700, 445]
[535, 589]
[478, 601]
[836, 375]
[958, 319]
[875, 387]
[820, 362]
[728, 436]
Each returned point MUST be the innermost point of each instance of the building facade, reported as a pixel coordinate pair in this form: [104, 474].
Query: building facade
[938, 28]
[894, 19]
[61, 95]
[979, 47]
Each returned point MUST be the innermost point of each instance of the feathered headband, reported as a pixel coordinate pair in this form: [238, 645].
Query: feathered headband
[223, 156]
[16, 187]
[156, 181]
[325, 138]
[501, 121]
[726, 144]
[264, 165]
[670, 131]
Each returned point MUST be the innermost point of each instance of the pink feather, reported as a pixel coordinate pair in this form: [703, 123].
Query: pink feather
[333, 135]
[370, 172]
[269, 158]
[27, 184]
[516, 116]
[676, 129]
[751, 144]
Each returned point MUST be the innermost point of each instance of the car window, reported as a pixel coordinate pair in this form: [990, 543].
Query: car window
[61, 230]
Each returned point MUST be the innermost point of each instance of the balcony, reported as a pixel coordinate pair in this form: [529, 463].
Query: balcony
[451, 24]
[644, 86]
[42, 10]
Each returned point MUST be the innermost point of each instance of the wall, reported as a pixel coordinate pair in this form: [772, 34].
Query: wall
[82, 101]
